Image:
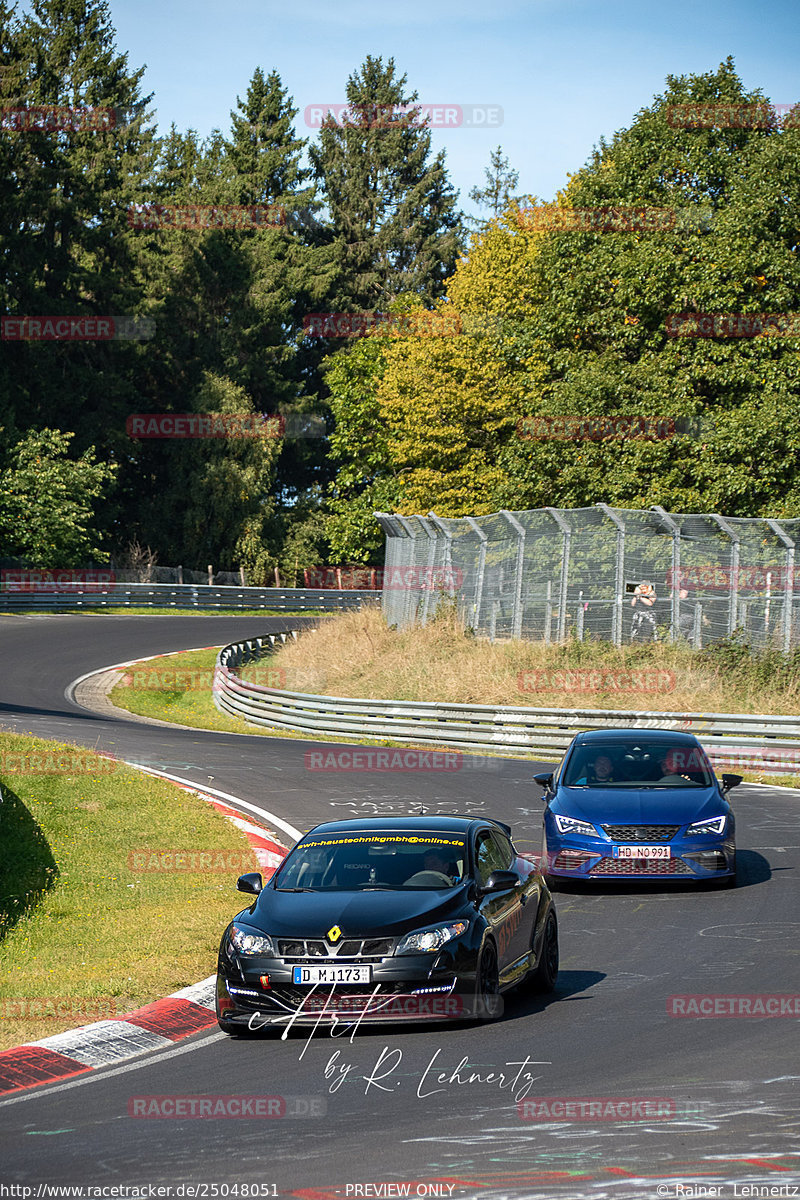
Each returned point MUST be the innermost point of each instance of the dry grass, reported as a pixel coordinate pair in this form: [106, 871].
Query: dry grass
[356, 654]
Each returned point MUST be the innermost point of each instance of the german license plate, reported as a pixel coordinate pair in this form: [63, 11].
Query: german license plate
[642, 852]
[331, 974]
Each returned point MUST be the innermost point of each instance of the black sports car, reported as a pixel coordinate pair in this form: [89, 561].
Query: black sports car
[391, 918]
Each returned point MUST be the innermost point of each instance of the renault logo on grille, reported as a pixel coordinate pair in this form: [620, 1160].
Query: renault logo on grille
[334, 934]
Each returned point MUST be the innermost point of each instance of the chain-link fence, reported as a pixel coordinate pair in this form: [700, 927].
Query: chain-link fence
[614, 573]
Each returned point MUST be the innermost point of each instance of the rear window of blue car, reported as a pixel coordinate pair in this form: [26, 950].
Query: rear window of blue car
[638, 764]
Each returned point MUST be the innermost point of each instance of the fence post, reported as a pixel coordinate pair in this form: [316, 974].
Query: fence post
[788, 583]
[566, 529]
[579, 619]
[210, 575]
[733, 603]
[409, 603]
[516, 619]
[674, 528]
[430, 530]
[180, 574]
[483, 535]
[548, 612]
[619, 573]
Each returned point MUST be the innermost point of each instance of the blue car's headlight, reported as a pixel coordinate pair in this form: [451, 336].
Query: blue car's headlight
[714, 825]
[573, 825]
[250, 943]
[425, 941]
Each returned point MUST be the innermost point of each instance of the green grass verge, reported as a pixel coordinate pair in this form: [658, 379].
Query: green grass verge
[191, 706]
[80, 920]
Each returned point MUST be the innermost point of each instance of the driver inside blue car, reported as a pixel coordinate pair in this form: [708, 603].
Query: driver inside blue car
[599, 771]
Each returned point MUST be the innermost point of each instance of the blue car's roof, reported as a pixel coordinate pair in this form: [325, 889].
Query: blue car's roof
[636, 735]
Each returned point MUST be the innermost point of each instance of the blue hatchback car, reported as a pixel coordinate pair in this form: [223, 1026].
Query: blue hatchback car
[638, 804]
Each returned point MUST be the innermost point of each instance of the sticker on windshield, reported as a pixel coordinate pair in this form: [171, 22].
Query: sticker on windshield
[417, 841]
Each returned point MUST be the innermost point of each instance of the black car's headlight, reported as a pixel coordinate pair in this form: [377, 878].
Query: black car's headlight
[425, 941]
[573, 825]
[249, 944]
[714, 825]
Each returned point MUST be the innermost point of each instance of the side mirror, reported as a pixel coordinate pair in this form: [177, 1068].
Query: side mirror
[545, 780]
[730, 781]
[251, 883]
[499, 881]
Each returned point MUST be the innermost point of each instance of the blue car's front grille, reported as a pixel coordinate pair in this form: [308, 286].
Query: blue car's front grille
[640, 866]
[640, 833]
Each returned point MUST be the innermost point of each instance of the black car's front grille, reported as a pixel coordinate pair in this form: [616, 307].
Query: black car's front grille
[640, 833]
[343, 998]
[372, 948]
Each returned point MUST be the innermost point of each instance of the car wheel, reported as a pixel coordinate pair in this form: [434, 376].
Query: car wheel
[228, 1026]
[488, 1002]
[543, 978]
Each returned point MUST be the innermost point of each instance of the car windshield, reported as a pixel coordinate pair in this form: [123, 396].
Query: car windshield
[359, 860]
[639, 764]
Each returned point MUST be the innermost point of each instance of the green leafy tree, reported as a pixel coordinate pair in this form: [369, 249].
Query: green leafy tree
[603, 300]
[48, 501]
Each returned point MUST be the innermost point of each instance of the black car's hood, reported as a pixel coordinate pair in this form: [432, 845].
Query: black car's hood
[358, 914]
[619, 806]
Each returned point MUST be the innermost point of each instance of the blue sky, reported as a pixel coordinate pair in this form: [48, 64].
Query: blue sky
[564, 72]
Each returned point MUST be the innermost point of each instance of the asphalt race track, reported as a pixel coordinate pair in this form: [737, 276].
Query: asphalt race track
[437, 1109]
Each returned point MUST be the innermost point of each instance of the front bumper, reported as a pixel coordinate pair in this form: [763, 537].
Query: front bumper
[402, 988]
[697, 859]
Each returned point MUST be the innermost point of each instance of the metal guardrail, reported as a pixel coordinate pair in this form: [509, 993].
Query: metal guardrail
[188, 595]
[732, 740]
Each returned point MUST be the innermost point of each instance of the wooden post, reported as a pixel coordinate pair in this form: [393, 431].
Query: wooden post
[210, 575]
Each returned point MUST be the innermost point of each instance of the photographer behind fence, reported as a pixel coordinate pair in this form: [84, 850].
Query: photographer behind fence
[644, 598]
